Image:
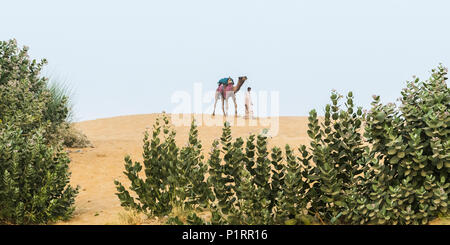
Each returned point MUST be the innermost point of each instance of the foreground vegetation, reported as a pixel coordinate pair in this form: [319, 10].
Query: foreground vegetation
[34, 172]
[389, 165]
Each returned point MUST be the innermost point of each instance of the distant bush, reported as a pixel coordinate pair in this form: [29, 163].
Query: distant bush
[58, 112]
[71, 137]
[59, 107]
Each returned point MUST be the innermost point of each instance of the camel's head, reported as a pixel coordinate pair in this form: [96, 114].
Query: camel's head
[240, 82]
[243, 78]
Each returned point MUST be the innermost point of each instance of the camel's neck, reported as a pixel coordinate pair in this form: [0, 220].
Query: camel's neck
[239, 85]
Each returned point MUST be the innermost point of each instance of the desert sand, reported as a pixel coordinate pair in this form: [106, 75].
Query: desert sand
[94, 169]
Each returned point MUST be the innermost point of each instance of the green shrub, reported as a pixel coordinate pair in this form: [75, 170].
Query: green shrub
[291, 200]
[59, 108]
[23, 92]
[336, 149]
[251, 185]
[28, 100]
[221, 177]
[174, 178]
[239, 182]
[33, 171]
[20, 106]
[192, 170]
[34, 186]
[387, 166]
[412, 146]
[58, 111]
[72, 137]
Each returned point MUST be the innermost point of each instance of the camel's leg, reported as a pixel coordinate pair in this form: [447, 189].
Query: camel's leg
[226, 105]
[215, 102]
[223, 106]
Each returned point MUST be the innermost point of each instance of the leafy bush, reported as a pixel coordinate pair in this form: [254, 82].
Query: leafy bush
[58, 112]
[71, 137]
[59, 107]
[387, 166]
[399, 174]
[336, 151]
[29, 101]
[22, 91]
[411, 144]
[33, 171]
[35, 179]
[174, 178]
[242, 191]
[245, 185]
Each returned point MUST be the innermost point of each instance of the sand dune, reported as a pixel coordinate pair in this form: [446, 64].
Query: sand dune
[94, 169]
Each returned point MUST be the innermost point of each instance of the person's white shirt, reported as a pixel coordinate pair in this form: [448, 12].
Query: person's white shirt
[248, 98]
[248, 103]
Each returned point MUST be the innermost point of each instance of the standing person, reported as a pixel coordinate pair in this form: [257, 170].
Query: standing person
[248, 104]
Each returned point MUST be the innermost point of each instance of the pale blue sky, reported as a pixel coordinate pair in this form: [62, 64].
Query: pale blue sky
[115, 54]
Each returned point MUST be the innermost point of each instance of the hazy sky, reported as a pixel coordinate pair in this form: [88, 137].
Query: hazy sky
[129, 57]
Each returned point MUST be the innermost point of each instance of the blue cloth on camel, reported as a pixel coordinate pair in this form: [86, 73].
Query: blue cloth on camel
[224, 81]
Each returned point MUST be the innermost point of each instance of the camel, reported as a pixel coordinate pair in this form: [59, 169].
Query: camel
[229, 91]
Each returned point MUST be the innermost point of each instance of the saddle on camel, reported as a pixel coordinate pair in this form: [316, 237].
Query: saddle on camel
[223, 83]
